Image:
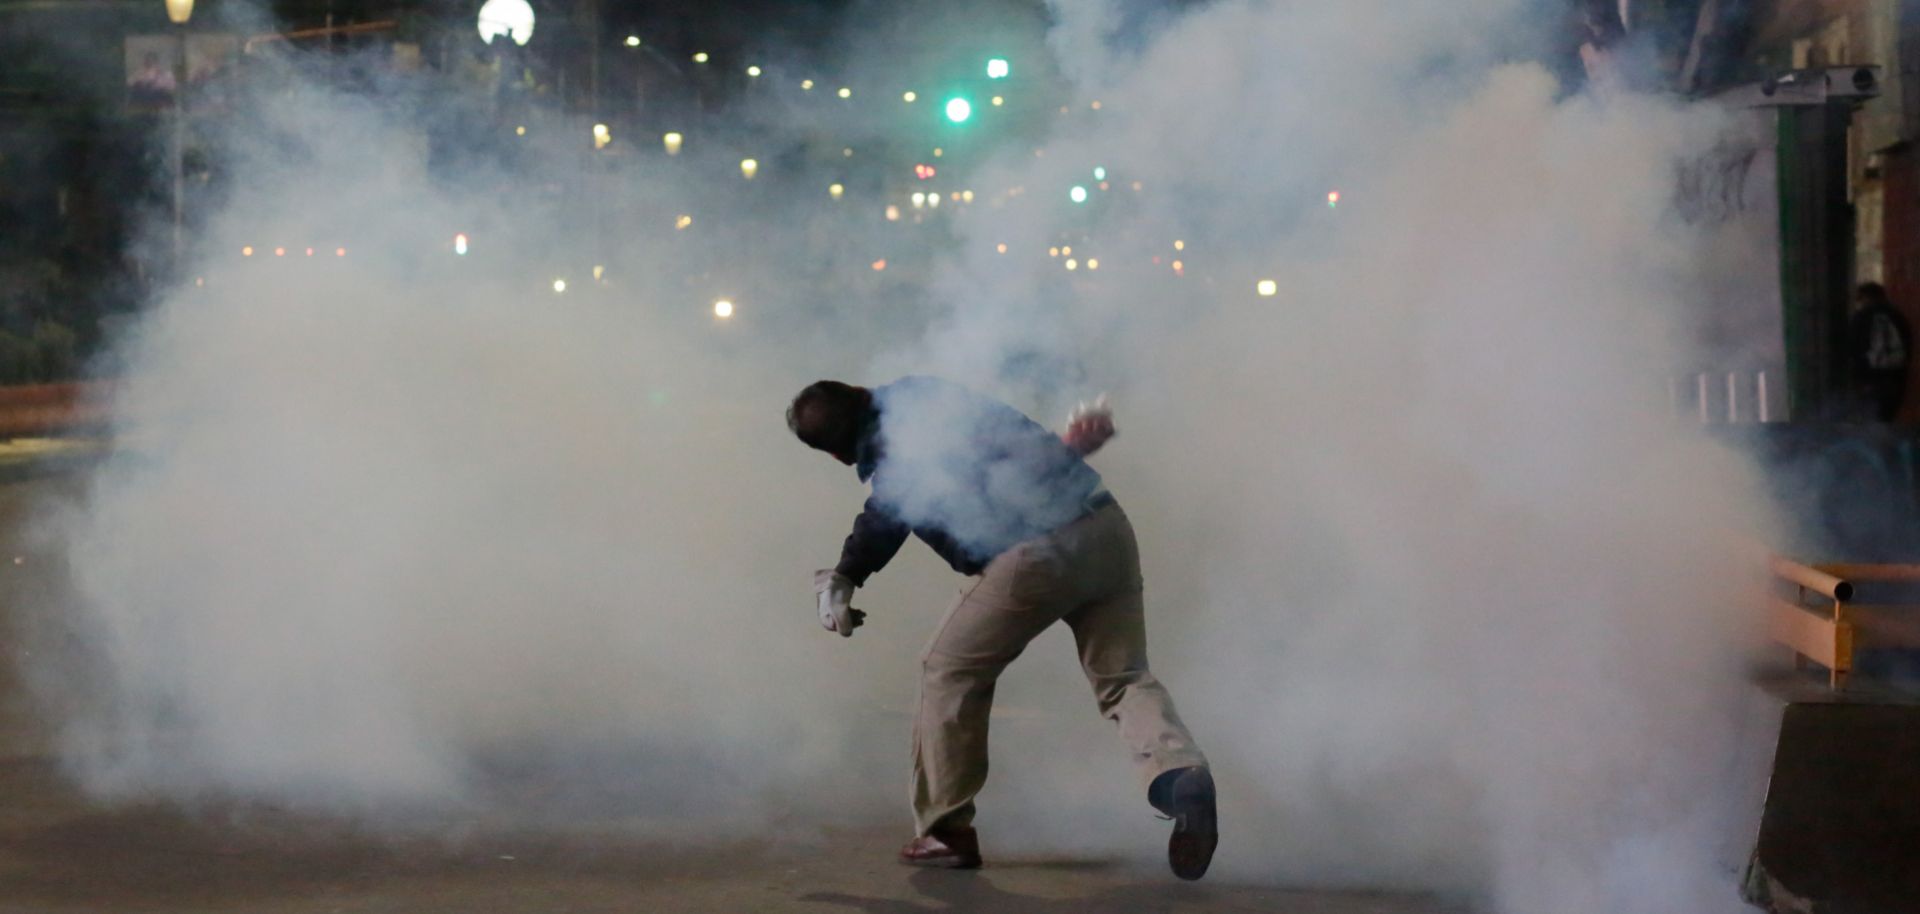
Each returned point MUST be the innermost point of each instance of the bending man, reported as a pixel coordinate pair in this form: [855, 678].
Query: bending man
[1008, 502]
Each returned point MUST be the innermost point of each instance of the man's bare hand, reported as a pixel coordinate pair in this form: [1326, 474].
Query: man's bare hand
[1089, 428]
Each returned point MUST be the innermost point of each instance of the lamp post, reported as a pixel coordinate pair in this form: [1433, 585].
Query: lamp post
[178, 12]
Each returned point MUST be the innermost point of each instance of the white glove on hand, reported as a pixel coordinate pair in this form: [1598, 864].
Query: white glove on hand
[836, 598]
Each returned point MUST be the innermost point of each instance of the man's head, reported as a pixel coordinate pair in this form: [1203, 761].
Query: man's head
[1869, 294]
[829, 415]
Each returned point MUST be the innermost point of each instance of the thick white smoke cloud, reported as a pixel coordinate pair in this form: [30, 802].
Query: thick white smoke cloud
[1438, 586]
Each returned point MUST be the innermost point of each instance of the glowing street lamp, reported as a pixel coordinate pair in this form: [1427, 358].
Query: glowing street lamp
[512, 18]
[844, 92]
[998, 68]
[601, 136]
[633, 41]
[672, 142]
[835, 191]
[753, 71]
[958, 110]
[908, 96]
[1267, 288]
[179, 11]
[723, 309]
[700, 57]
[459, 245]
[1078, 194]
[748, 168]
[559, 286]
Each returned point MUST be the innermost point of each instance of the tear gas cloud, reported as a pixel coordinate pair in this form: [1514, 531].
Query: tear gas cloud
[1439, 587]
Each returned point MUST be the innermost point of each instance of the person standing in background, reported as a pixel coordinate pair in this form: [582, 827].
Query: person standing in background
[1880, 344]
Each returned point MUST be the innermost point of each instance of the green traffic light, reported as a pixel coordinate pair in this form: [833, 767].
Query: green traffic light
[998, 68]
[958, 110]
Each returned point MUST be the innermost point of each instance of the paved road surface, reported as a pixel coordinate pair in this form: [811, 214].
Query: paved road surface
[59, 852]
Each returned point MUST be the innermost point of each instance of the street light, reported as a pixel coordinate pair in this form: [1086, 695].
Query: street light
[672, 142]
[179, 11]
[958, 110]
[753, 71]
[998, 68]
[1078, 194]
[835, 191]
[748, 167]
[512, 18]
[699, 57]
[723, 309]
[633, 41]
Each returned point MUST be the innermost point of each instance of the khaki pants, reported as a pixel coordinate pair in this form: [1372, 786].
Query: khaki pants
[1086, 573]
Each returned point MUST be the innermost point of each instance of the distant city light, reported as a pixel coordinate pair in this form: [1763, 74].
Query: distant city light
[1072, 264]
[939, 151]
[601, 136]
[998, 101]
[806, 84]
[559, 286]
[919, 199]
[933, 201]
[844, 92]
[880, 264]
[847, 152]
[1179, 268]
[459, 244]
[339, 252]
[1001, 247]
[599, 271]
[633, 41]
[682, 222]
[1179, 245]
[672, 141]
[1095, 105]
[279, 252]
[1078, 194]
[908, 96]
[998, 68]
[835, 191]
[1093, 263]
[966, 196]
[1066, 250]
[520, 130]
[723, 309]
[1053, 252]
[893, 213]
[1099, 173]
[748, 168]
[247, 251]
[1267, 288]
[1333, 199]
[958, 110]
[753, 71]
[511, 18]
[699, 57]
[923, 171]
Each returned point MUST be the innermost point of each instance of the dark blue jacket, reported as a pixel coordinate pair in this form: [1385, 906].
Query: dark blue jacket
[966, 473]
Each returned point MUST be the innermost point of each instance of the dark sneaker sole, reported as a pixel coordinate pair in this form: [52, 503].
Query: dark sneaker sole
[943, 863]
[1196, 826]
